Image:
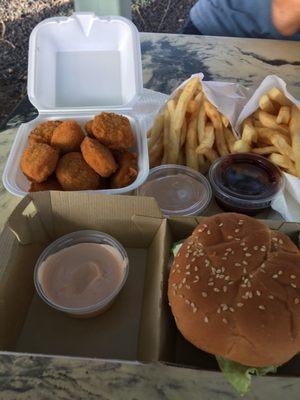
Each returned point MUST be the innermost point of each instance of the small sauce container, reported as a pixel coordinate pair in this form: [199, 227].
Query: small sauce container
[245, 183]
[81, 273]
[178, 190]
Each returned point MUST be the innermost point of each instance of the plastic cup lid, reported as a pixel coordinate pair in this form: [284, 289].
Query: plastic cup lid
[178, 190]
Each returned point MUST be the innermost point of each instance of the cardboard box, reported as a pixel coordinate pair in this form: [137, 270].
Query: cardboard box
[139, 326]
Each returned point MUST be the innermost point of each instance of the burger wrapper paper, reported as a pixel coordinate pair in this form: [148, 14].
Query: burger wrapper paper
[237, 103]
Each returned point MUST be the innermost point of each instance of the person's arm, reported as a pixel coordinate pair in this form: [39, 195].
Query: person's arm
[286, 16]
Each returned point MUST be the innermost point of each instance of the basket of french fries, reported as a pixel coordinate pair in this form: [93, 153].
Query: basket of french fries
[192, 130]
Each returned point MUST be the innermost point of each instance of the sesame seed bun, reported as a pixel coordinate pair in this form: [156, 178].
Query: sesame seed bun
[234, 291]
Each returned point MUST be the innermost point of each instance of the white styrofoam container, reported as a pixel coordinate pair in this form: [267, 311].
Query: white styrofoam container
[79, 66]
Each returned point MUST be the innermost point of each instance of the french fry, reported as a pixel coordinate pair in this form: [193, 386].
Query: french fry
[156, 153]
[201, 124]
[284, 115]
[156, 129]
[166, 135]
[211, 155]
[230, 139]
[266, 104]
[283, 162]
[249, 134]
[225, 121]
[179, 115]
[265, 134]
[192, 106]
[265, 150]
[181, 158]
[191, 144]
[183, 133]
[241, 147]
[208, 140]
[215, 118]
[277, 95]
[269, 121]
[295, 134]
[282, 146]
[257, 124]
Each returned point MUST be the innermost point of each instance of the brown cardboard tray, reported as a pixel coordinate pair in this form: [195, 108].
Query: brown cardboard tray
[139, 326]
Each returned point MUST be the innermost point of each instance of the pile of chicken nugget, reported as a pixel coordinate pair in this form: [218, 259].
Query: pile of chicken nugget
[61, 156]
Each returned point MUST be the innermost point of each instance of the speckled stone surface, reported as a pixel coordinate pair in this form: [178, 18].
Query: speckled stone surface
[167, 60]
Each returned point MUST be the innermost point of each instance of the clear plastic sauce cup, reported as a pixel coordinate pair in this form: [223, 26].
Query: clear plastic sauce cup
[81, 273]
[178, 190]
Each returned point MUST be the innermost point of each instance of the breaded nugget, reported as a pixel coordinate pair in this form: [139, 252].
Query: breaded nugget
[50, 184]
[113, 130]
[89, 128]
[43, 132]
[98, 157]
[67, 137]
[39, 161]
[73, 173]
[127, 171]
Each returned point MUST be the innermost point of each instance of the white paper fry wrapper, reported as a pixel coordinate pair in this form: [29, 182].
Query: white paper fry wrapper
[287, 204]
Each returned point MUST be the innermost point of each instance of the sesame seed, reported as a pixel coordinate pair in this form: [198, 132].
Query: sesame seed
[218, 271]
[255, 248]
[231, 309]
[192, 304]
[250, 295]
[206, 320]
[188, 273]
[263, 249]
[187, 286]
[271, 297]
[249, 284]
[183, 280]
[181, 296]
[187, 301]
[221, 224]
[229, 237]
[211, 283]
[275, 276]
[216, 289]
[293, 285]
[274, 239]
[180, 286]
[225, 321]
[280, 241]
[188, 266]
[241, 221]
[263, 265]
[224, 307]
[296, 300]
[237, 265]
[261, 307]
[196, 269]
[224, 258]
[244, 262]
[219, 310]
[237, 239]
[240, 305]
[224, 289]
[204, 294]
[187, 255]
[246, 280]
[280, 272]
[209, 232]
[242, 244]
[245, 248]
[195, 310]
[193, 259]
[227, 278]
[293, 276]
[231, 283]
[248, 255]
[244, 270]
[195, 280]
[258, 293]
[236, 230]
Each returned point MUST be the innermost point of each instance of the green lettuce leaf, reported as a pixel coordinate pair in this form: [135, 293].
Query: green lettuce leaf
[176, 247]
[239, 376]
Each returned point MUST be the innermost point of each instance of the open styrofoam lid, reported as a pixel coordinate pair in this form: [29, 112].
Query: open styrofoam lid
[84, 62]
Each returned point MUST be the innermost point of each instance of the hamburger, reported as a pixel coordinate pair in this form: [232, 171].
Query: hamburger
[234, 292]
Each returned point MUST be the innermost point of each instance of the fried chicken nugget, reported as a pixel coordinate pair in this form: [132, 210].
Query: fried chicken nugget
[127, 171]
[50, 184]
[67, 137]
[89, 128]
[73, 173]
[98, 157]
[39, 161]
[43, 132]
[113, 130]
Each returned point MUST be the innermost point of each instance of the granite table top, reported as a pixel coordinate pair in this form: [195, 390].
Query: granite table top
[167, 61]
